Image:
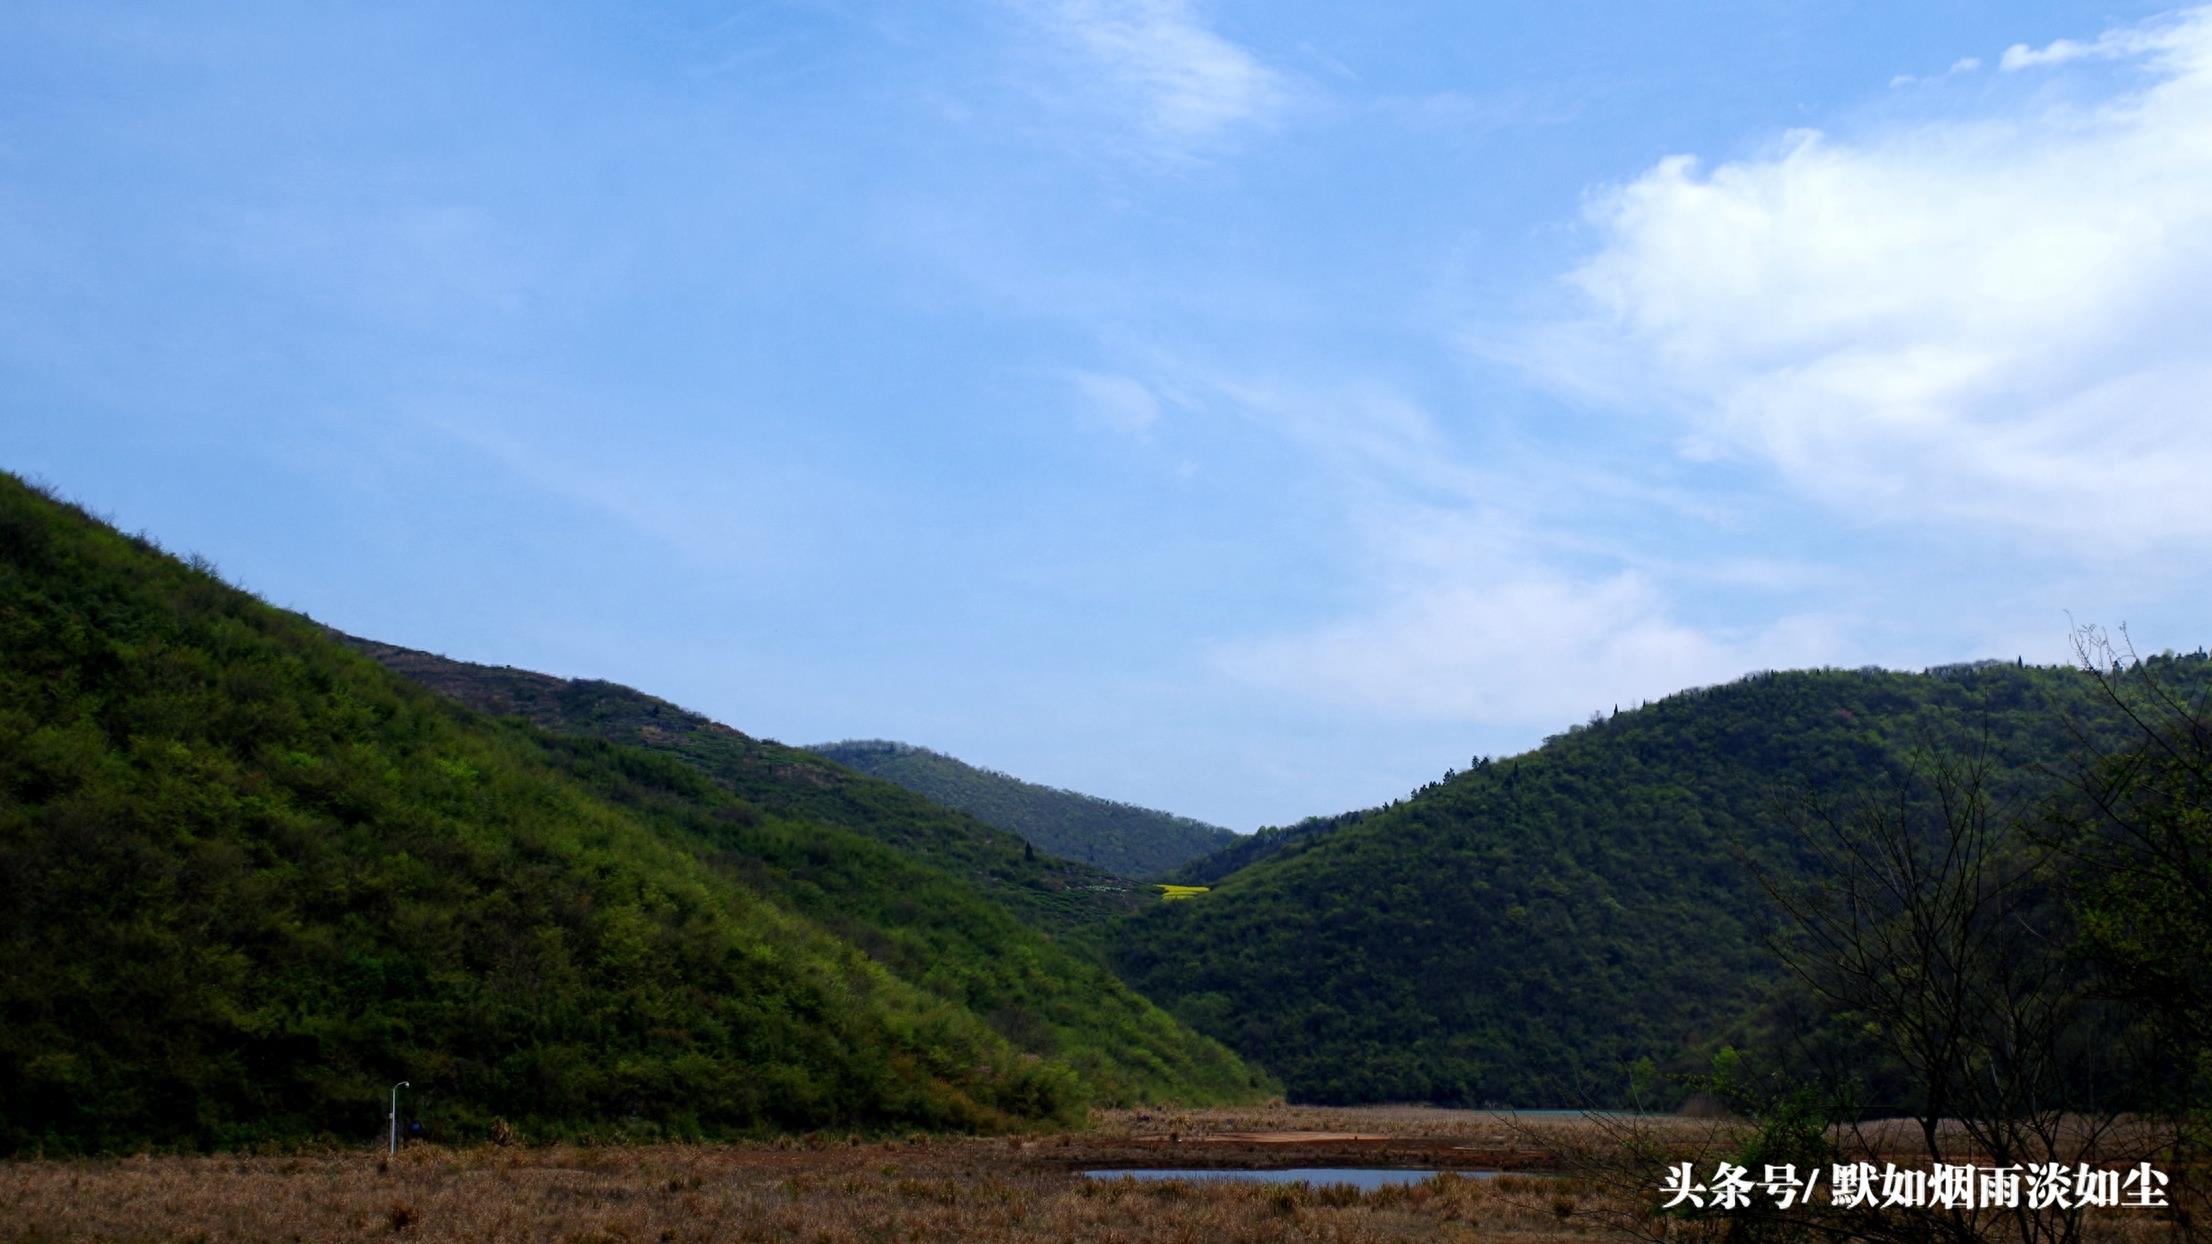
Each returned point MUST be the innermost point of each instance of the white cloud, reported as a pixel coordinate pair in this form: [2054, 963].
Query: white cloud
[1125, 405]
[1964, 64]
[1475, 597]
[1367, 433]
[1179, 82]
[1998, 320]
[2164, 34]
[1470, 623]
[678, 493]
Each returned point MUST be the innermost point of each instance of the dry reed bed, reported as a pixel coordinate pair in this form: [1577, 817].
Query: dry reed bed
[844, 1191]
[968, 1190]
[1555, 1133]
[1408, 1121]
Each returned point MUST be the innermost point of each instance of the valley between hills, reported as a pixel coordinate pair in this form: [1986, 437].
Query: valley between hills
[257, 871]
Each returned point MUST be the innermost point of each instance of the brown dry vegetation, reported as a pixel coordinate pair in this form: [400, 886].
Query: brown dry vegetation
[941, 1191]
[1379, 1136]
[840, 1190]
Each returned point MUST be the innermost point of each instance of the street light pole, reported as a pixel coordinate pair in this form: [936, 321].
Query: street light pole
[395, 1113]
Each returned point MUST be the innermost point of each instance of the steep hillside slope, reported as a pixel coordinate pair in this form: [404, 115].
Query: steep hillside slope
[1118, 837]
[938, 897]
[248, 879]
[787, 781]
[1523, 931]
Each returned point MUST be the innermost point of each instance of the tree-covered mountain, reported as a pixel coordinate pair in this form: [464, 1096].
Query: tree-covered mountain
[1118, 837]
[1045, 890]
[249, 879]
[1527, 929]
[934, 894]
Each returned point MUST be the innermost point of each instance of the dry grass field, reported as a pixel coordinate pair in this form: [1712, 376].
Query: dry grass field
[844, 1190]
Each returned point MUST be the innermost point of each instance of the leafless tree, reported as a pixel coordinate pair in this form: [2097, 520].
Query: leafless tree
[1931, 916]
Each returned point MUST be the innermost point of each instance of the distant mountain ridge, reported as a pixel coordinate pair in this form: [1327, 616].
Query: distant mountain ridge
[1121, 838]
[1049, 891]
[1268, 840]
[938, 902]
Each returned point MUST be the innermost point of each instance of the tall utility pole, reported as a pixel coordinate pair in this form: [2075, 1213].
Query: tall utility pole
[395, 1113]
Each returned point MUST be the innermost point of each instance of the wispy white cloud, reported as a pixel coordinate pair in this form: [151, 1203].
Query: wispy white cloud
[1471, 622]
[1372, 436]
[1996, 320]
[1475, 595]
[1125, 405]
[1179, 84]
[680, 495]
[1963, 65]
[2165, 34]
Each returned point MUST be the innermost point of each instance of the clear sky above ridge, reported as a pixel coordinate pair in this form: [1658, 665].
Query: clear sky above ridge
[1248, 409]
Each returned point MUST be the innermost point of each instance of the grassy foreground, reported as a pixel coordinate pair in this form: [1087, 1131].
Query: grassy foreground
[971, 1190]
[838, 1189]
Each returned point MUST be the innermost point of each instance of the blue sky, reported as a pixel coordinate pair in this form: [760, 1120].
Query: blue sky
[1249, 409]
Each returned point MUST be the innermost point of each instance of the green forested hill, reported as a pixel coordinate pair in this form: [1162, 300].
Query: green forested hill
[248, 878]
[1523, 931]
[1046, 890]
[934, 894]
[1118, 837]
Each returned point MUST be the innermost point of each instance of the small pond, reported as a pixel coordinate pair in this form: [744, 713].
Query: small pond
[1365, 1179]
